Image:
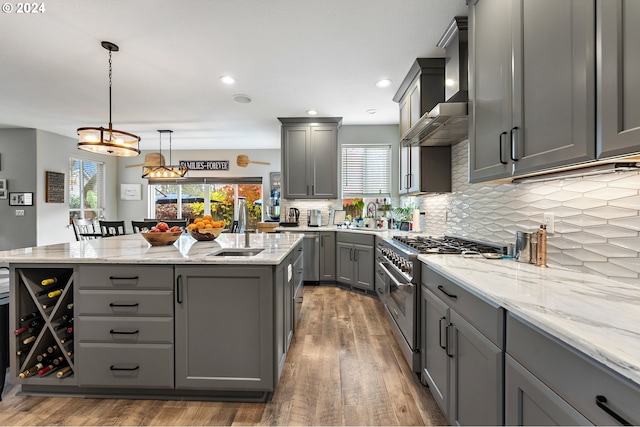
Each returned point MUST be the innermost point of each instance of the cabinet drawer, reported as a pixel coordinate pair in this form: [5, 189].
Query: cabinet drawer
[356, 238]
[125, 330]
[125, 365]
[572, 375]
[487, 317]
[124, 303]
[125, 277]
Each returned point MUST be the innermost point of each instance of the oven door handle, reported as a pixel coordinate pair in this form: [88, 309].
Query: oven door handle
[395, 281]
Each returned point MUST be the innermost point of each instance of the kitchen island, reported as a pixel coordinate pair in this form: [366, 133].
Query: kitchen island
[192, 320]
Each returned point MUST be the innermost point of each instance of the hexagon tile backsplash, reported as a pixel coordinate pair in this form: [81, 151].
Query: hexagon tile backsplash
[597, 218]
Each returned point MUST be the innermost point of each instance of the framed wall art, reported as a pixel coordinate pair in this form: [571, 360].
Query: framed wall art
[20, 199]
[54, 187]
[3, 188]
[130, 191]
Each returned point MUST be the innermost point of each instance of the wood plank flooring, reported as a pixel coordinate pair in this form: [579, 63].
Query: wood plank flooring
[343, 368]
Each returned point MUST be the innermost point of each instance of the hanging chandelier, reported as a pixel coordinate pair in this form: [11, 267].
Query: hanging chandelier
[161, 170]
[108, 140]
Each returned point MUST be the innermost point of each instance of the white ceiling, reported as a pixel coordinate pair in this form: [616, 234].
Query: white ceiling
[287, 55]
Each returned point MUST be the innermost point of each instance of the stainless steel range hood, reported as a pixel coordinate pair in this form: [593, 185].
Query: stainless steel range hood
[448, 122]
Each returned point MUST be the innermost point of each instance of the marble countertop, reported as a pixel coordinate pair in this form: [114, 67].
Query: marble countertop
[132, 248]
[597, 316]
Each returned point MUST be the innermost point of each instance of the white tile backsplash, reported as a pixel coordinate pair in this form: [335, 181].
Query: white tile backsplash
[597, 218]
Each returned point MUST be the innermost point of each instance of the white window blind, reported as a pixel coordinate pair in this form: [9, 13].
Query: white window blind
[86, 188]
[366, 170]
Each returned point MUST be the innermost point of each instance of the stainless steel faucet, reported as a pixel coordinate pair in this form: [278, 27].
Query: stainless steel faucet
[247, 239]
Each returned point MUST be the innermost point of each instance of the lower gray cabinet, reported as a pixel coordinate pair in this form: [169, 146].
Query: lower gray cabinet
[224, 328]
[462, 358]
[327, 256]
[600, 395]
[529, 402]
[355, 259]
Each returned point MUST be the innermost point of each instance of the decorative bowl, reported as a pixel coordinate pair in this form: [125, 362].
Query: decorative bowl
[161, 238]
[205, 234]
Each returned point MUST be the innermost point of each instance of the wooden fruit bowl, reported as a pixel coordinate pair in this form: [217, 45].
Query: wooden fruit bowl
[162, 238]
[205, 234]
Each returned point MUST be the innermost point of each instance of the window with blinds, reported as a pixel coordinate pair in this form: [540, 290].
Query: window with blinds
[366, 170]
[86, 189]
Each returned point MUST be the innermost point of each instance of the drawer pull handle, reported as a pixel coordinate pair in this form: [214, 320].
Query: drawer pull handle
[113, 368]
[444, 347]
[133, 304]
[123, 278]
[124, 332]
[441, 289]
[601, 401]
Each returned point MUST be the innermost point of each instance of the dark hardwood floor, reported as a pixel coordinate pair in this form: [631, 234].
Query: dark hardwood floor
[343, 368]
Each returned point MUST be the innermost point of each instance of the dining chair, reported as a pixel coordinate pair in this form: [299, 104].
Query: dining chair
[85, 229]
[170, 222]
[111, 228]
[140, 225]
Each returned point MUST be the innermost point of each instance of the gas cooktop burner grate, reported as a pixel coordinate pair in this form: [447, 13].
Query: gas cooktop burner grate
[446, 245]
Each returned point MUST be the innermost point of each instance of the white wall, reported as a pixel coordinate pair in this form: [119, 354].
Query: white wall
[52, 154]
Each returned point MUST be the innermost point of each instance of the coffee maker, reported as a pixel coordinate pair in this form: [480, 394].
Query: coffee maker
[314, 218]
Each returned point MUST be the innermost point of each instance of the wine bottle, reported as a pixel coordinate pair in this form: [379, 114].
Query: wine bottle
[21, 330]
[58, 361]
[42, 356]
[54, 294]
[50, 303]
[30, 339]
[46, 291]
[31, 370]
[46, 370]
[70, 330]
[52, 348]
[70, 306]
[64, 324]
[29, 316]
[31, 328]
[64, 372]
[49, 281]
[24, 349]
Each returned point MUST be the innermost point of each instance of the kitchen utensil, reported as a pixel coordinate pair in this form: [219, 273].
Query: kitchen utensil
[243, 161]
[487, 255]
[524, 246]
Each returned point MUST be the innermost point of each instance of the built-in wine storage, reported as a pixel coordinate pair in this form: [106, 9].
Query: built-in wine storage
[42, 322]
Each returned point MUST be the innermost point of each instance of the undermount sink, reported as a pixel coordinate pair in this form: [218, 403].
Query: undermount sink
[238, 252]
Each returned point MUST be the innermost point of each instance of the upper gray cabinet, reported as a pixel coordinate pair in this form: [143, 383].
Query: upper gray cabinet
[310, 157]
[532, 86]
[618, 63]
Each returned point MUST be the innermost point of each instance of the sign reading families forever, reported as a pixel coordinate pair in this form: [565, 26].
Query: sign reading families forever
[206, 165]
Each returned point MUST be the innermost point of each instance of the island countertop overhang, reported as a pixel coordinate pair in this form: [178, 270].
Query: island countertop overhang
[133, 249]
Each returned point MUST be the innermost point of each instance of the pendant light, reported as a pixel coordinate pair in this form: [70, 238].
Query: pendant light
[108, 141]
[164, 171]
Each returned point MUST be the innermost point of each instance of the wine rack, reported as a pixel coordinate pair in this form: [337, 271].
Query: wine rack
[49, 312]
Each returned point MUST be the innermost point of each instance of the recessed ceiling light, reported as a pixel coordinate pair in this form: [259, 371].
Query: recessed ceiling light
[372, 111]
[228, 80]
[312, 112]
[242, 99]
[383, 83]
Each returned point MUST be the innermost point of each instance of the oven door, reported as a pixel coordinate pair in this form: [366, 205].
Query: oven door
[401, 302]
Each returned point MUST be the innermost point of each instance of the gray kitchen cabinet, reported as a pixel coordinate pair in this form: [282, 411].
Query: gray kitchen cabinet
[461, 351]
[532, 86]
[224, 320]
[327, 256]
[310, 157]
[529, 402]
[617, 66]
[123, 326]
[355, 260]
[600, 395]
[425, 169]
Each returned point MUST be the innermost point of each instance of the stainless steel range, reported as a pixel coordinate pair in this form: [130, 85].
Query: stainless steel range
[398, 271]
